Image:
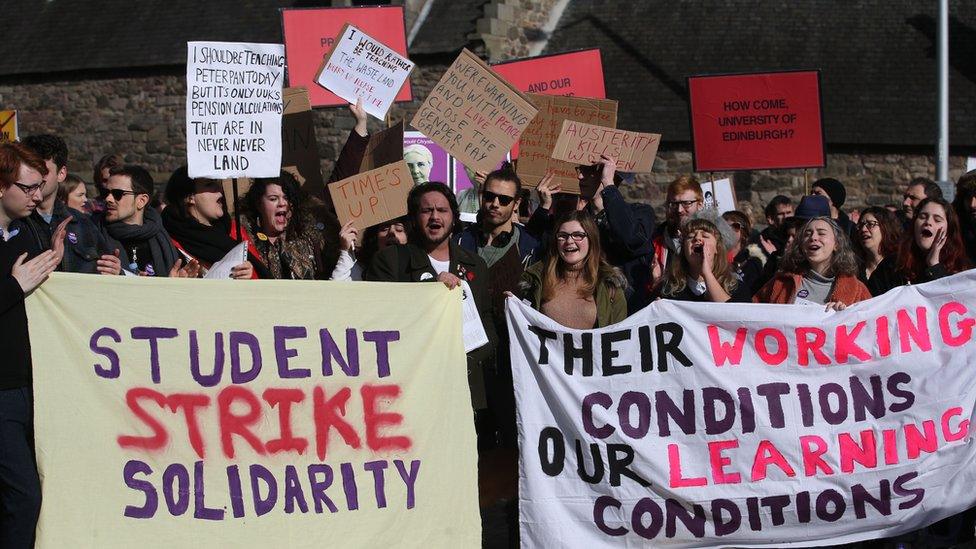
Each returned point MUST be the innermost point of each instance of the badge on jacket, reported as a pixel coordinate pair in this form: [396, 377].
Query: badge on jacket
[72, 238]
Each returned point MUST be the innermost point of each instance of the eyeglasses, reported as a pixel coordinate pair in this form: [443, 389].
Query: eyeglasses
[578, 236]
[682, 204]
[117, 194]
[869, 224]
[29, 189]
[488, 197]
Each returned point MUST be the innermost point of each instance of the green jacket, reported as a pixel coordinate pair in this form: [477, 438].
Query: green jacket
[611, 302]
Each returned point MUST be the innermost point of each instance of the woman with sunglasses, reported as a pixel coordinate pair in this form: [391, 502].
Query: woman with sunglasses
[747, 260]
[876, 239]
[935, 247]
[819, 268]
[575, 286]
[701, 271]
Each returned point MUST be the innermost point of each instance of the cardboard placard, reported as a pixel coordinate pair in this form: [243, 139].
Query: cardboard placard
[577, 73]
[581, 143]
[372, 197]
[299, 148]
[233, 109]
[756, 121]
[539, 139]
[311, 33]
[361, 67]
[384, 147]
[474, 114]
[8, 126]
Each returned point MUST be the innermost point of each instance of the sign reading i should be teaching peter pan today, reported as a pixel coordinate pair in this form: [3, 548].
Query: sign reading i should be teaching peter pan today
[233, 109]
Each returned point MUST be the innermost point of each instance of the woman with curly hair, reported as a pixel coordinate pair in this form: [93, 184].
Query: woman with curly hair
[876, 238]
[575, 286]
[934, 249]
[281, 229]
[701, 271]
[818, 268]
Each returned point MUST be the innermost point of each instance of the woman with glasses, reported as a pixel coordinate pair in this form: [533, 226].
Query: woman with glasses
[819, 268]
[935, 247]
[701, 270]
[876, 238]
[575, 286]
[747, 260]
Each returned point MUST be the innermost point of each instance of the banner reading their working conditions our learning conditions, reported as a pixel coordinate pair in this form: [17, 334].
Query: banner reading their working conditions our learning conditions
[748, 425]
[251, 414]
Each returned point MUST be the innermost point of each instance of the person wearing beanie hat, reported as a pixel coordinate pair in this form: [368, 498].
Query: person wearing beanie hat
[834, 190]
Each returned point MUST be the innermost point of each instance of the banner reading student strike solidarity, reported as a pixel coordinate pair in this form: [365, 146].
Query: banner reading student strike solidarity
[266, 414]
[747, 425]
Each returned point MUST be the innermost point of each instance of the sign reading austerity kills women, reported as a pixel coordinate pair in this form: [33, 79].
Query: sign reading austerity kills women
[756, 121]
[272, 413]
[748, 425]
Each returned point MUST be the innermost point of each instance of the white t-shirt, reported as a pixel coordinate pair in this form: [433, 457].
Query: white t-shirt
[439, 266]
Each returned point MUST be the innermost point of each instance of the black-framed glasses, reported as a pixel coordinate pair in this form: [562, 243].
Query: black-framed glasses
[29, 189]
[682, 204]
[577, 236]
[870, 223]
[488, 197]
[117, 194]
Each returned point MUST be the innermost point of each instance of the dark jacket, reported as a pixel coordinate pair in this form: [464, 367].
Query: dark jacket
[626, 235]
[885, 277]
[529, 247]
[409, 263]
[14, 337]
[84, 243]
[611, 302]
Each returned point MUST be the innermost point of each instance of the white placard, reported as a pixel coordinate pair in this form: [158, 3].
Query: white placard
[719, 193]
[359, 66]
[233, 109]
[472, 329]
[970, 163]
[235, 257]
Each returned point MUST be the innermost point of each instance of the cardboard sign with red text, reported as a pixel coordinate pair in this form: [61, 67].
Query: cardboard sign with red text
[577, 73]
[756, 121]
[581, 143]
[539, 139]
[372, 197]
[311, 33]
[747, 425]
[474, 114]
[304, 413]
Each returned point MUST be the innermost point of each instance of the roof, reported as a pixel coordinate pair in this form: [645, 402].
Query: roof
[877, 58]
[449, 26]
[44, 36]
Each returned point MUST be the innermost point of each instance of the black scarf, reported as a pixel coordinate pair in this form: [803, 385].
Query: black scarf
[152, 232]
[209, 244]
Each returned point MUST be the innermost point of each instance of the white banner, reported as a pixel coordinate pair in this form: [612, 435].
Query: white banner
[747, 425]
[233, 109]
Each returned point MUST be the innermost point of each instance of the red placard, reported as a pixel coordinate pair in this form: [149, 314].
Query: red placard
[756, 121]
[578, 73]
[309, 34]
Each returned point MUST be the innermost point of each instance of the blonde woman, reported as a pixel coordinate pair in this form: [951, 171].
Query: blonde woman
[701, 271]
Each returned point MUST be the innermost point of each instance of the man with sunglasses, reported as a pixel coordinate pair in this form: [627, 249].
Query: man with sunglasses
[86, 249]
[146, 246]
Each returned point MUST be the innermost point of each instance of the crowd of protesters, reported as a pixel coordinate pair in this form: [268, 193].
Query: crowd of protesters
[586, 261]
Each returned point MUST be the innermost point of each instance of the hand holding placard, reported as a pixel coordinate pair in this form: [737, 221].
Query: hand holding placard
[372, 197]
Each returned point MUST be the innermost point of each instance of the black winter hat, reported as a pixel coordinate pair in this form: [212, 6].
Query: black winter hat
[834, 189]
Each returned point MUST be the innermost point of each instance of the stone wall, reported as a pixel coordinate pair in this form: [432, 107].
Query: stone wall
[509, 27]
[142, 116]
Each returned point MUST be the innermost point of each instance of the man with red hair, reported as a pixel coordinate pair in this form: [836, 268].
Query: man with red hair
[24, 265]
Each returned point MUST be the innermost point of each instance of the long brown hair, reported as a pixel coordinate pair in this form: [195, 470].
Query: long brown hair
[890, 233]
[842, 262]
[595, 268]
[678, 270]
[911, 257]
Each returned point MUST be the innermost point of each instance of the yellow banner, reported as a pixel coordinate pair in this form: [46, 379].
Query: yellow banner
[220, 413]
[8, 126]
